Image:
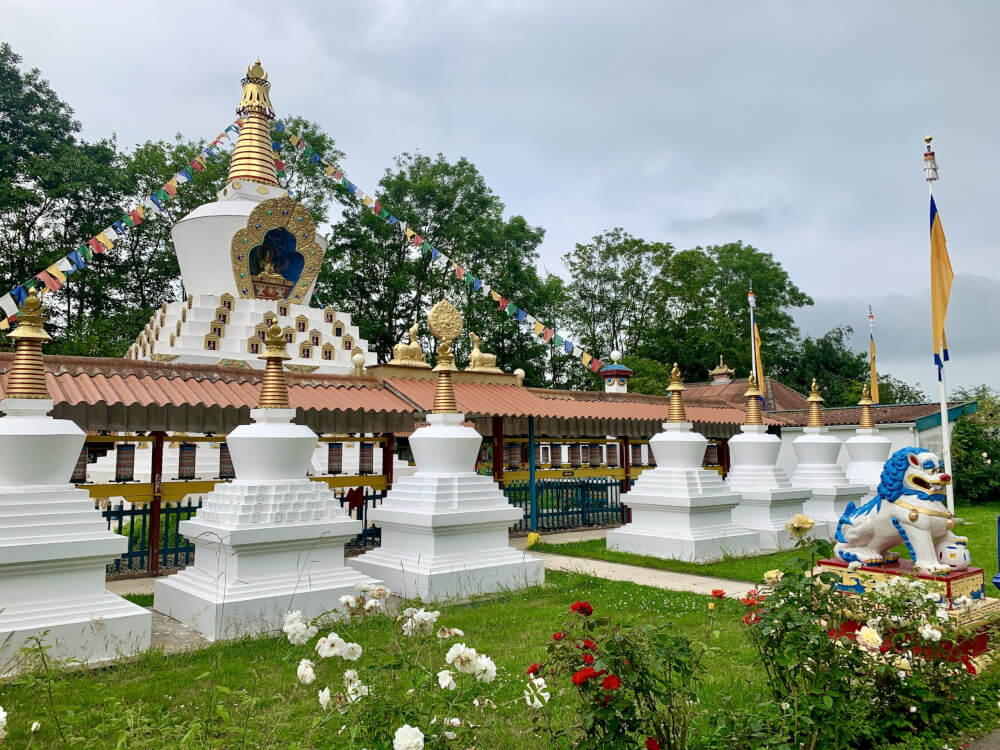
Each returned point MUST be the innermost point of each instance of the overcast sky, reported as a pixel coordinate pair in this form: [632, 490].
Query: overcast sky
[795, 126]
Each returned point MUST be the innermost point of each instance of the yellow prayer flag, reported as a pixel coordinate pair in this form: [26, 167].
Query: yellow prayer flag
[941, 278]
[56, 272]
[539, 327]
[872, 371]
[495, 295]
[367, 200]
[330, 170]
[585, 358]
[293, 139]
[104, 240]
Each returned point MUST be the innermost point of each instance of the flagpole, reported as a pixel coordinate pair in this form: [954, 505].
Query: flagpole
[752, 301]
[931, 174]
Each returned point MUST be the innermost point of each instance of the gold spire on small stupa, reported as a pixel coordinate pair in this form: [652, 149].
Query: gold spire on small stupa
[867, 420]
[27, 374]
[274, 387]
[676, 387]
[253, 157]
[445, 323]
[815, 410]
[752, 394]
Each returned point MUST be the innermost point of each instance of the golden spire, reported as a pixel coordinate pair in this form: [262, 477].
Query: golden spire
[27, 374]
[815, 410]
[867, 421]
[445, 323]
[253, 158]
[274, 388]
[676, 413]
[753, 402]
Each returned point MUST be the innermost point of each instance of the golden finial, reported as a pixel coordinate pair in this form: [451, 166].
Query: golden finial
[867, 420]
[676, 387]
[815, 410]
[928, 138]
[480, 361]
[754, 416]
[253, 158]
[27, 373]
[445, 323]
[274, 387]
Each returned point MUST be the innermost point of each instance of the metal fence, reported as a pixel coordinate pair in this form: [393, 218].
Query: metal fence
[568, 503]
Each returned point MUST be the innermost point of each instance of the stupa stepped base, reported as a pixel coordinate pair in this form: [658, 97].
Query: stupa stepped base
[766, 512]
[446, 536]
[243, 503]
[828, 504]
[708, 545]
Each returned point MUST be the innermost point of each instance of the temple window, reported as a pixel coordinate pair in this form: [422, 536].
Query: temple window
[314, 337]
[305, 351]
[211, 342]
[300, 323]
[227, 301]
[217, 330]
[254, 347]
[289, 334]
[348, 343]
[327, 352]
[338, 329]
[283, 310]
[270, 319]
[329, 315]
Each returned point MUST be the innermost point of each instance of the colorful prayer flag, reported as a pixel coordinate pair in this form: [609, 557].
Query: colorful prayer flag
[56, 272]
[50, 283]
[941, 278]
[8, 305]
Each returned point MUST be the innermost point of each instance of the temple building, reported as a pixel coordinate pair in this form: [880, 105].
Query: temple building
[249, 260]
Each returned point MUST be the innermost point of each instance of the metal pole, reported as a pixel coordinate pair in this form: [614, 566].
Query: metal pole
[387, 450]
[498, 453]
[156, 477]
[532, 488]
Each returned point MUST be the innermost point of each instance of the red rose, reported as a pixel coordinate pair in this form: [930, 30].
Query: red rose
[716, 594]
[751, 618]
[587, 673]
[652, 744]
[749, 601]
[588, 659]
[611, 682]
[558, 636]
[582, 608]
[533, 669]
[587, 643]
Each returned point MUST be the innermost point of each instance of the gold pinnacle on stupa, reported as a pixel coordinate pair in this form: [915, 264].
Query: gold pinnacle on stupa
[815, 410]
[274, 387]
[445, 323]
[676, 387]
[27, 373]
[867, 421]
[253, 157]
[754, 416]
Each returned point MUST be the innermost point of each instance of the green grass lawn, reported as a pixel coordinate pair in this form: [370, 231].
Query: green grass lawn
[155, 700]
[980, 526]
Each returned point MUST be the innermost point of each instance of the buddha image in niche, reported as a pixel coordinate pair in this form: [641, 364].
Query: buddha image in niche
[276, 258]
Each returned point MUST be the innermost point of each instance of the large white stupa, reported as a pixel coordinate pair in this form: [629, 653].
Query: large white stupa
[250, 260]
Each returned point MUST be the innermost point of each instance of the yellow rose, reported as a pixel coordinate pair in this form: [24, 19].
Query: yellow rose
[773, 576]
[869, 639]
[799, 525]
[533, 537]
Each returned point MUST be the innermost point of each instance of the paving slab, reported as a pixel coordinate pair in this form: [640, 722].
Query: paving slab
[123, 586]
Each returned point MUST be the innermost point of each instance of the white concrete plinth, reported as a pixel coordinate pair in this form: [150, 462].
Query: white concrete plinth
[681, 511]
[868, 451]
[445, 528]
[818, 470]
[266, 543]
[54, 548]
[768, 498]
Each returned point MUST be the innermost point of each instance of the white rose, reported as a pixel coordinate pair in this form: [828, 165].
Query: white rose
[444, 633]
[348, 601]
[351, 652]
[485, 669]
[364, 588]
[869, 639]
[461, 657]
[35, 726]
[408, 738]
[324, 698]
[380, 592]
[3, 723]
[445, 680]
[331, 645]
[305, 672]
[374, 605]
[929, 633]
[853, 565]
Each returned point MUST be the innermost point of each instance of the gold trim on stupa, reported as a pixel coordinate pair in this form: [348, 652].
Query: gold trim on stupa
[253, 157]
[274, 387]
[754, 416]
[867, 420]
[27, 373]
[676, 387]
[445, 323]
[815, 410]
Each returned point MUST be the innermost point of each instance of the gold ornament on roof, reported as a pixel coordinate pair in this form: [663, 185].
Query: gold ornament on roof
[253, 158]
[722, 369]
[445, 323]
[815, 410]
[480, 361]
[676, 387]
[411, 354]
[27, 373]
[754, 416]
[274, 387]
[867, 421]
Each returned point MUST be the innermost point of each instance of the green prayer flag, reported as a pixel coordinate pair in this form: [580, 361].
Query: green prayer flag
[511, 310]
[127, 221]
[307, 151]
[86, 252]
[557, 340]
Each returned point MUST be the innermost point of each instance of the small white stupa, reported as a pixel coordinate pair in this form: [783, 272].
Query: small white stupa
[681, 511]
[445, 528]
[868, 449]
[271, 540]
[54, 545]
[769, 499]
[817, 470]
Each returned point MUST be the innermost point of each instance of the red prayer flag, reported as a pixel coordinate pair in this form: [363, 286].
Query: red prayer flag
[171, 190]
[95, 244]
[376, 208]
[503, 303]
[547, 335]
[136, 217]
[595, 364]
[338, 174]
[46, 278]
[459, 271]
[418, 240]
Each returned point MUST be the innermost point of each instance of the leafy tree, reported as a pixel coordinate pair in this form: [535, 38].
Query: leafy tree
[387, 285]
[892, 390]
[838, 371]
[305, 179]
[975, 446]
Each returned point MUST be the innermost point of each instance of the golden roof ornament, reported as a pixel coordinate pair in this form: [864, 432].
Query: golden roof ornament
[445, 323]
[867, 420]
[676, 387]
[27, 373]
[411, 354]
[723, 371]
[253, 157]
[754, 416]
[274, 387]
[815, 410]
[480, 361]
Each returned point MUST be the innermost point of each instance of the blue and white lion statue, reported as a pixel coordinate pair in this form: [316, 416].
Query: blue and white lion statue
[908, 508]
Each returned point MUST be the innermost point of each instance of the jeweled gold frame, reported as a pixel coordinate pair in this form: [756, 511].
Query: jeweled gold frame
[274, 214]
